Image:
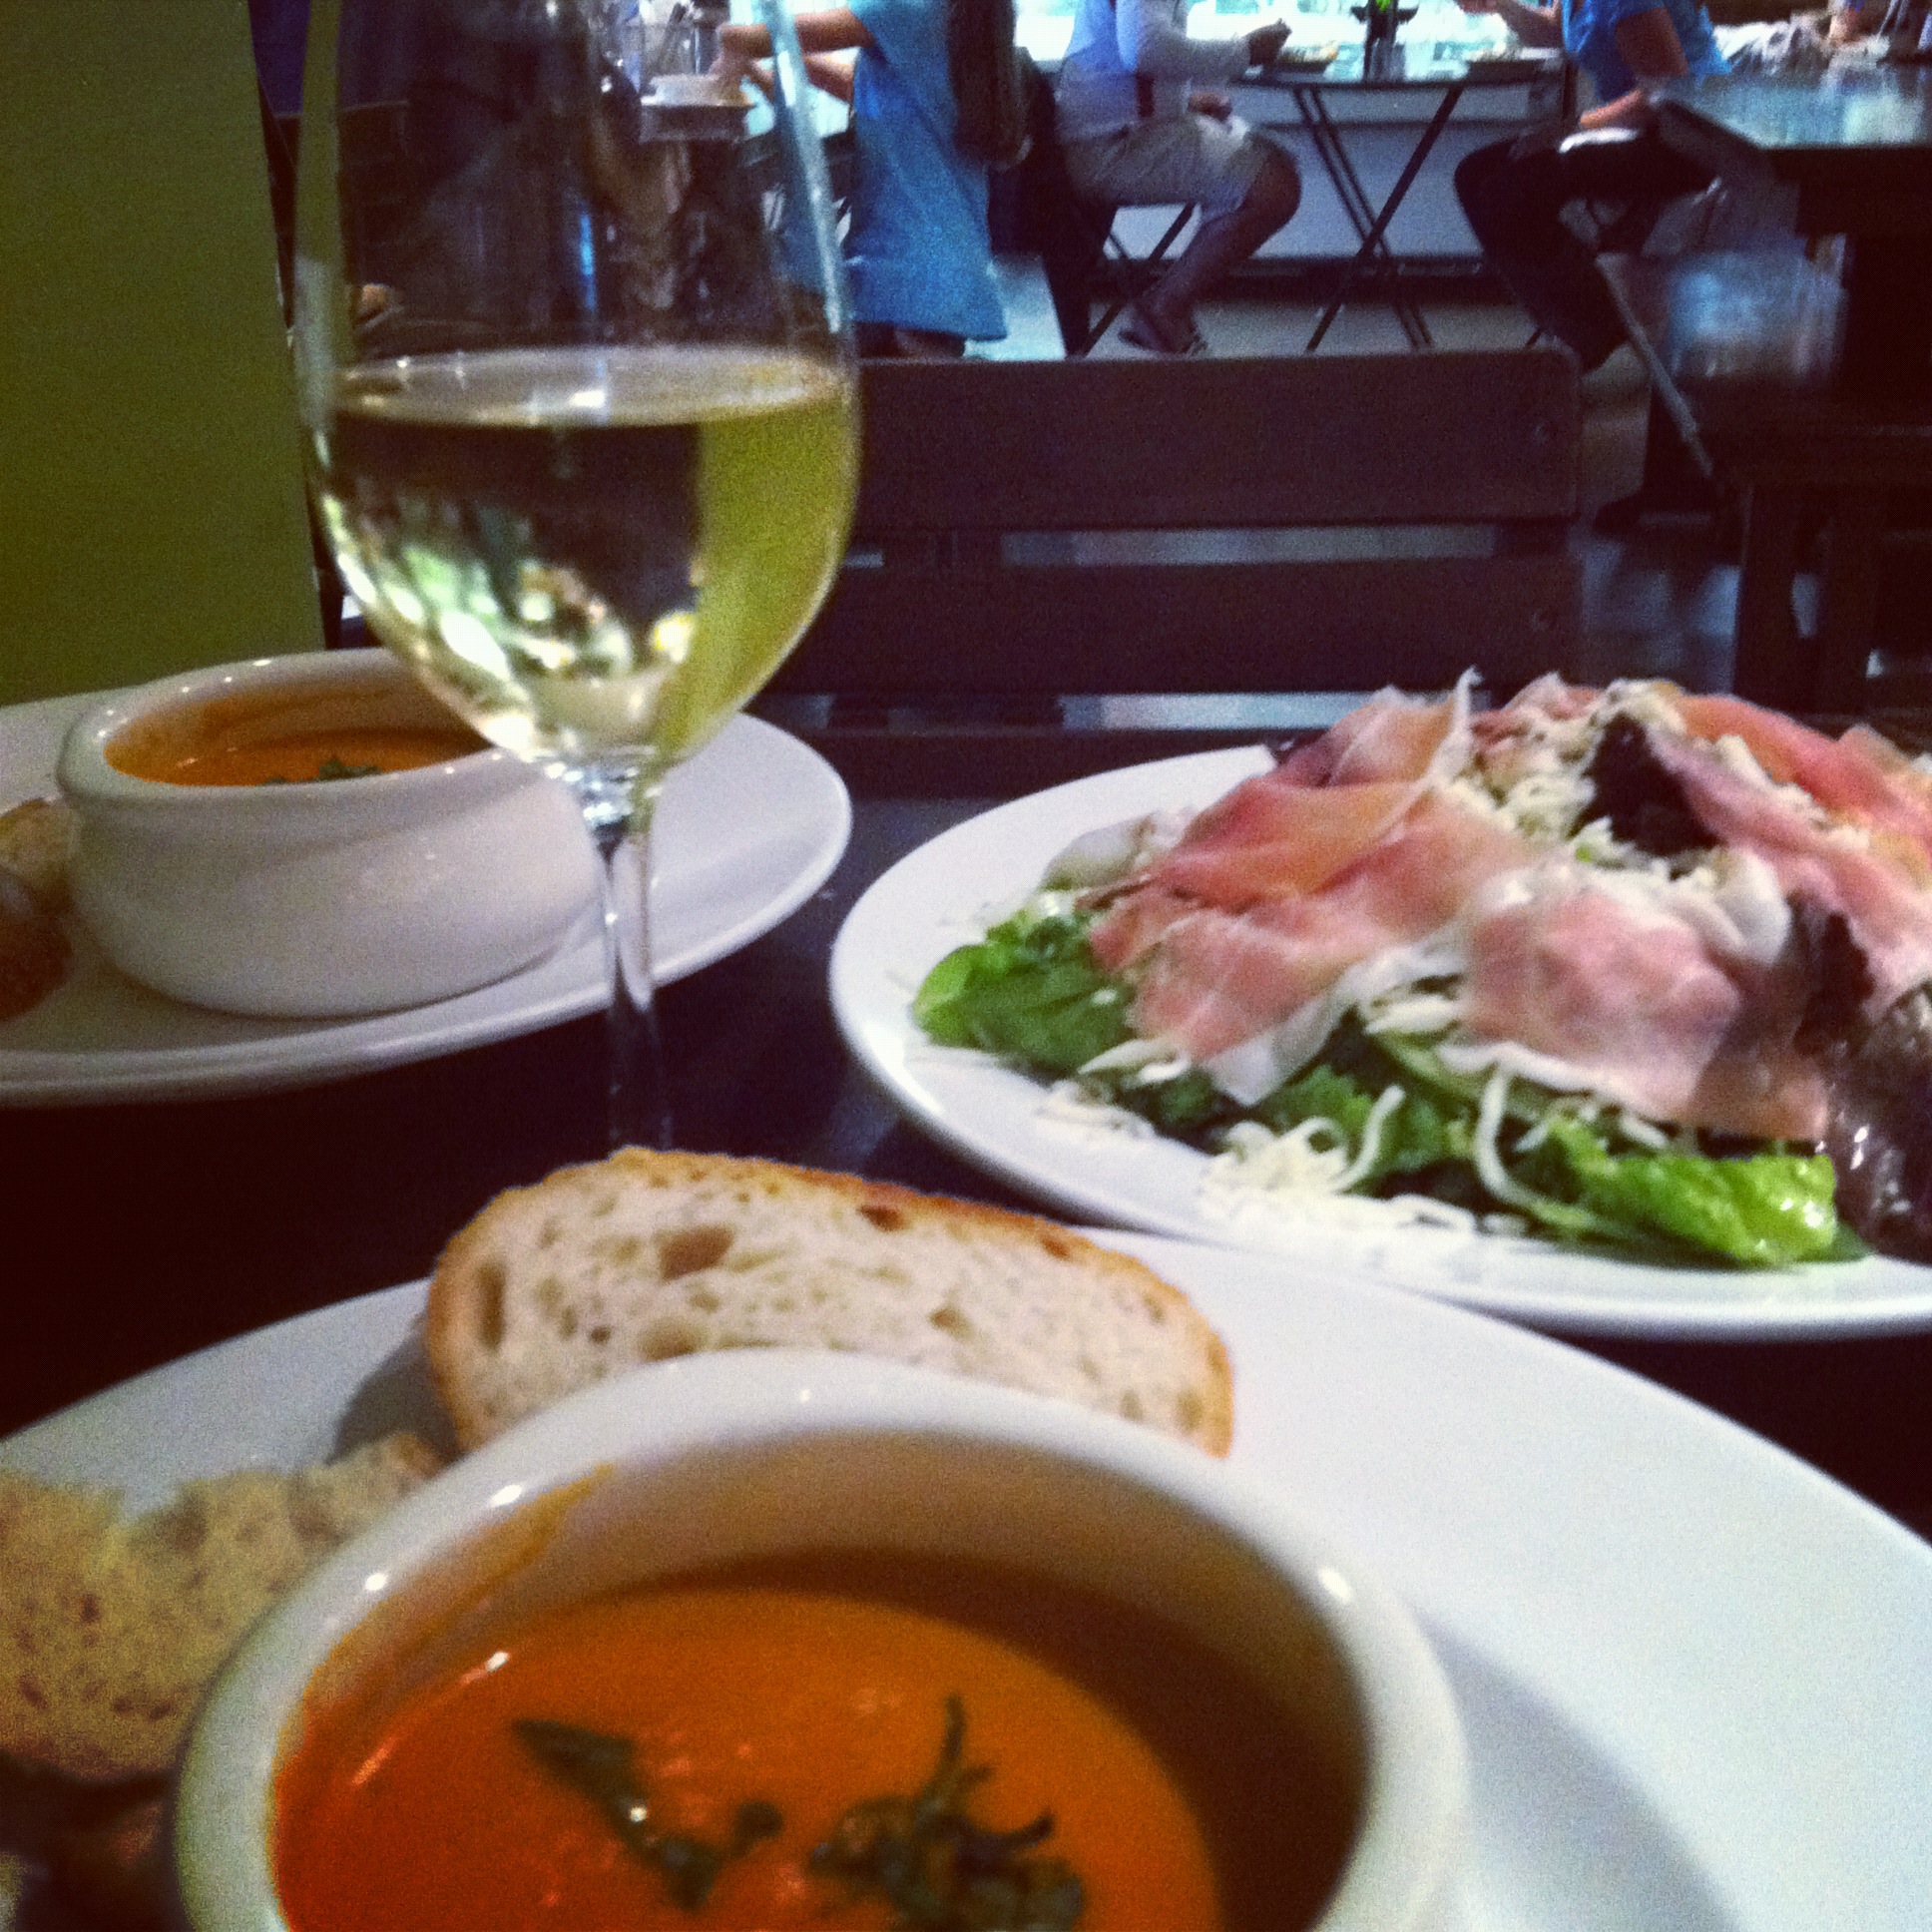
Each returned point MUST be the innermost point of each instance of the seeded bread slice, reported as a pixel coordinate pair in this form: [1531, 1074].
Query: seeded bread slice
[111, 1629]
[650, 1256]
[36, 842]
[34, 953]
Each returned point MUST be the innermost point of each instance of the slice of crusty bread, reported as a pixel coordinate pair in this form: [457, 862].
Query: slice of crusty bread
[34, 953]
[111, 1629]
[36, 842]
[648, 1255]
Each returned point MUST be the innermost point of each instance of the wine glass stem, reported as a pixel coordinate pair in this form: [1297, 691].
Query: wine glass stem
[639, 1093]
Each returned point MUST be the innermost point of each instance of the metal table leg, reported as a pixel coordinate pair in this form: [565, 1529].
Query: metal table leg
[1374, 251]
[1326, 135]
[1773, 664]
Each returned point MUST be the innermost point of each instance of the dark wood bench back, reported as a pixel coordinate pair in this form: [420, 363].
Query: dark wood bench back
[1033, 530]
[960, 456]
[1267, 441]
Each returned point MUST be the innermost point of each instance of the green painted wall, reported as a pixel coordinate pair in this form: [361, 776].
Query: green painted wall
[150, 508]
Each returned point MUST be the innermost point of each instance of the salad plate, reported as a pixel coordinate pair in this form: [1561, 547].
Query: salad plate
[946, 895]
[746, 832]
[1690, 1668]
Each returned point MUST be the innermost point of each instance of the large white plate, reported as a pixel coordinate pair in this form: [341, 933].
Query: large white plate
[1693, 1669]
[941, 896]
[745, 834]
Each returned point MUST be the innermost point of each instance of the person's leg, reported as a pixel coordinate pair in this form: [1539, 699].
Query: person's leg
[1221, 242]
[889, 339]
[928, 342]
[1245, 186]
[1515, 203]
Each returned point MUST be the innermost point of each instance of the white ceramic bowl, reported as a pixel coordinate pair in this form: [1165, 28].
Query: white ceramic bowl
[321, 901]
[762, 1452]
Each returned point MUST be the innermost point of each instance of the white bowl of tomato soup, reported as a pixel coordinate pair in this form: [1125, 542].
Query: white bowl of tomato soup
[314, 836]
[779, 1638]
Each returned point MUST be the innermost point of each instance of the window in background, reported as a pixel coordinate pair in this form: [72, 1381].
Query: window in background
[1045, 26]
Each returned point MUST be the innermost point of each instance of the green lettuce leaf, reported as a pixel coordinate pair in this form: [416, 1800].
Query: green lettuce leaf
[1760, 1211]
[1029, 991]
[1421, 1131]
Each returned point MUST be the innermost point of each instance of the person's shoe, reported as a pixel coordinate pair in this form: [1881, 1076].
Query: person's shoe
[1145, 330]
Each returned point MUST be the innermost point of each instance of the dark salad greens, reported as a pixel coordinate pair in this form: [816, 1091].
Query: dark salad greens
[602, 1768]
[939, 1868]
[1031, 992]
[924, 1856]
[328, 771]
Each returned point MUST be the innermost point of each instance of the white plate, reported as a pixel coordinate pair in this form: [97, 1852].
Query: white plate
[1692, 1668]
[745, 834]
[941, 896]
[1530, 64]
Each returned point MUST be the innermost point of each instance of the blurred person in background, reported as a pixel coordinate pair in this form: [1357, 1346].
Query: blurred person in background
[1901, 29]
[279, 30]
[1136, 131]
[935, 92]
[1517, 194]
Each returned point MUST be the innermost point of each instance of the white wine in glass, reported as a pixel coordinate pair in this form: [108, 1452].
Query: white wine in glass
[579, 387]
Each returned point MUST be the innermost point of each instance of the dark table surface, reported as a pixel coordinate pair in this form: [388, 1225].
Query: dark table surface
[1855, 148]
[1415, 65]
[1856, 143]
[136, 1233]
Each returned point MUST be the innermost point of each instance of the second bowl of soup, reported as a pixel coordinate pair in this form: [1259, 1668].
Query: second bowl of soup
[314, 837]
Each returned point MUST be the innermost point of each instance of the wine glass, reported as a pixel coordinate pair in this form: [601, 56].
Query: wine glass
[579, 397]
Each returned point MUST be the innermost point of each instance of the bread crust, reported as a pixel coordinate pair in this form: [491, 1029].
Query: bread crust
[36, 844]
[34, 953]
[111, 1629]
[36, 839]
[650, 1254]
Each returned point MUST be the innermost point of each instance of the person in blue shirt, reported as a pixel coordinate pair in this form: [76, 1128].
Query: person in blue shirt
[936, 100]
[1516, 192]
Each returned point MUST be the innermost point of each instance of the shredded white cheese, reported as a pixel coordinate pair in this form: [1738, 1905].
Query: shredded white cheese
[1308, 1164]
[1363, 1164]
[1069, 1108]
[1489, 1163]
[1279, 1216]
[1146, 1063]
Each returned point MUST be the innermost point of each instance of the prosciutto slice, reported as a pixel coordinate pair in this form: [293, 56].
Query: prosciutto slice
[1275, 836]
[1549, 697]
[1680, 993]
[1392, 738]
[1637, 1002]
[1860, 774]
[1136, 925]
[1295, 829]
[1876, 891]
[1217, 978]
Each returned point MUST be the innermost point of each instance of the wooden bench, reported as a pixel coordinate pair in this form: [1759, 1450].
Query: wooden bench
[1030, 531]
[1744, 351]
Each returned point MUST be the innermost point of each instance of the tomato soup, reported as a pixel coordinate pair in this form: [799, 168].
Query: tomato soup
[788, 1692]
[250, 742]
